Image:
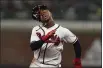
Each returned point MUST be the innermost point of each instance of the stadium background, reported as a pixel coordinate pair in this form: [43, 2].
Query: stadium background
[82, 17]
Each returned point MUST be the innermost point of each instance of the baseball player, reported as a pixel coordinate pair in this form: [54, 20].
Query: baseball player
[47, 40]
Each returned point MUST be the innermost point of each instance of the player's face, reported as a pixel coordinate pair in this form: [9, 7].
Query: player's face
[45, 15]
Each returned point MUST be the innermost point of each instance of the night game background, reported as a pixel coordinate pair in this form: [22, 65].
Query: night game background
[82, 17]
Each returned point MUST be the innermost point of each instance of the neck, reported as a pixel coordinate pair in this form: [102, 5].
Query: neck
[49, 24]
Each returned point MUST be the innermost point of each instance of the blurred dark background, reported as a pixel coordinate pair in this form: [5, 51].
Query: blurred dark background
[82, 17]
[61, 9]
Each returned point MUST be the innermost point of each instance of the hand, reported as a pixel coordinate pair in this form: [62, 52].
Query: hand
[77, 63]
[46, 37]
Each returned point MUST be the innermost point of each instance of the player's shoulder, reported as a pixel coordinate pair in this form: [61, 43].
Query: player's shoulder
[35, 28]
[64, 28]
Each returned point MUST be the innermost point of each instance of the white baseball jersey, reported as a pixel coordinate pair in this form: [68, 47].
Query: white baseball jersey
[50, 52]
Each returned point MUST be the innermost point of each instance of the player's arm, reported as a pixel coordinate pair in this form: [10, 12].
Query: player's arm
[77, 49]
[71, 38]
[37, 40]
[36, 44]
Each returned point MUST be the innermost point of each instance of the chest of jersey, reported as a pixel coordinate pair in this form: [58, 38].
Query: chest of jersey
[57, 37]
[54, 42]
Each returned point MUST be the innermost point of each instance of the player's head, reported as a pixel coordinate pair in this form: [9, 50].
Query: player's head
[41, 13]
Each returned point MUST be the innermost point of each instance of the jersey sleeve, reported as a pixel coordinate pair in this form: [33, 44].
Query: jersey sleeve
[69, 36]
[34, 37]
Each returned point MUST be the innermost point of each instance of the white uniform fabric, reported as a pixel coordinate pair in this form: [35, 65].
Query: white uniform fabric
[49, 55]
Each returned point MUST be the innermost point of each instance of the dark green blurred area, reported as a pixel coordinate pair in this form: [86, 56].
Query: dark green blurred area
[61, 9]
